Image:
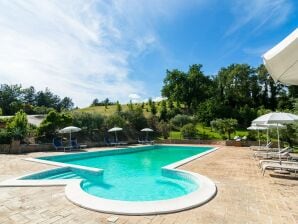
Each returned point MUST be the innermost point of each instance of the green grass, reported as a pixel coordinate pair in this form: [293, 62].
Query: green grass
[208, 133]
[205, 132]
[111, 109]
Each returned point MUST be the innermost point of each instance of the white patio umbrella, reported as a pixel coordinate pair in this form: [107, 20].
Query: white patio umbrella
[276, 118]
[271, 126]
[255, 127]
[115, 129]
[147, 130]
[282, 60]
[69, 129]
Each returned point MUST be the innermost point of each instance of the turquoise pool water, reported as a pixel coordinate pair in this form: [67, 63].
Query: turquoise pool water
[135, 175]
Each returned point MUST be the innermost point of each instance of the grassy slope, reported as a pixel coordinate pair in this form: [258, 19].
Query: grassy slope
[174, 134]
[112, 109]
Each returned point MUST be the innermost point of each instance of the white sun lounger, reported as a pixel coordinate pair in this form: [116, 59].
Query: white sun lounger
[284, 153]
[283, 165]
[262, 147]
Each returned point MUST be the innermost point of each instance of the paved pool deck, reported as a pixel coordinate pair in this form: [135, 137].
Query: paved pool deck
[244, 195]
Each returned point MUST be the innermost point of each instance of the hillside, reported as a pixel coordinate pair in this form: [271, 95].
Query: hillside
[112, 109]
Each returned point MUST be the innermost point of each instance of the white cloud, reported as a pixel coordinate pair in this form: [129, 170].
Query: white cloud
[259, 14]
[78, 48]
[134, 96]
[159, 98]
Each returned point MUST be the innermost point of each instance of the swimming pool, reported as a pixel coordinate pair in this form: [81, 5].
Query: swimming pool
[134, 178]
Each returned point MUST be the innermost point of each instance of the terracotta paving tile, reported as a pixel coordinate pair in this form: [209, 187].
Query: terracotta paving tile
[244, 195]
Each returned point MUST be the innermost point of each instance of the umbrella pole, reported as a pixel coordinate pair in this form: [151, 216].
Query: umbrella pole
[267, 136]
[146, 135]
[259, 139]
[70, 138]
[278, 142]
[116, 138]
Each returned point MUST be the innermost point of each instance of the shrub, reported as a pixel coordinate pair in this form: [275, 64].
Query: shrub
[224, 126]
[5, 136]
[88, 121]
[18, 127]
[53, 121]
[180, 120]
[135, 118]
[189, 131]
[114, 120]
[164, 129]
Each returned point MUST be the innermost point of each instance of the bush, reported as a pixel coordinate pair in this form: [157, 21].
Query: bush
[189, 131]
[180, 120]
[5, 137]
[18, 127]
[223, 126]
[53, 121]
[115, 120]
[164, 129]
[87, 121]
[135, 118]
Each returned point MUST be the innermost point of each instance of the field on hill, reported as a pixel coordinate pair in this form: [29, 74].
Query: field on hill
[205, 131]
[110, 109]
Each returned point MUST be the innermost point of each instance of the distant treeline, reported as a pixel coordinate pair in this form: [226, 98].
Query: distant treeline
[105, 102]
[14, 98]
[238, 91]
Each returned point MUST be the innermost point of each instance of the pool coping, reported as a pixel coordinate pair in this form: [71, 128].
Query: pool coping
[78, 196]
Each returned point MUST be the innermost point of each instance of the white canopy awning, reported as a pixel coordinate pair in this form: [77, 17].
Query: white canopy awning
[282, 60]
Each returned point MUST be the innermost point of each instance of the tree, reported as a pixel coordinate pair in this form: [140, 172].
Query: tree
[130, 106]
[10, 98]
[153, 108]
[18, 127]
[52, 122]
[189, 88]
[66, 104]
[293, 91]
[189, 131]
[106, 102]
[224, 126]
[48, 99]
[118, 107]
[180, 120]
[88, 121]
[115, 120]
[209, 110]
[234, 85]
[29, 96]
[164, 129]
[135, 119]
[270, 90]
[163, 111]
[95, 102]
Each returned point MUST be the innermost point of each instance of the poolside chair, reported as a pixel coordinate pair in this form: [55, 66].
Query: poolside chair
[75, 145]
[270, 161]
[261, 148]
[141, 141]
[283, 154]
[57, 143]
[149, 141]
[122, 143]
[283, 165]
[107, 142]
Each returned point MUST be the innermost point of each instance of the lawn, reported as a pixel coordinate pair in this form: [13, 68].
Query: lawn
[109, 110]
[208, 133]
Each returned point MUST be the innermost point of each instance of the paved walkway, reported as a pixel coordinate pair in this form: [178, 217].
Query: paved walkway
[244, 196]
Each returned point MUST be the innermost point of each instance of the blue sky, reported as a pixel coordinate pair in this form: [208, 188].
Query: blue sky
[121, 49]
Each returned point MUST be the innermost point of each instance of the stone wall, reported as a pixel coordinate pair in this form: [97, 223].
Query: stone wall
[191, 141]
